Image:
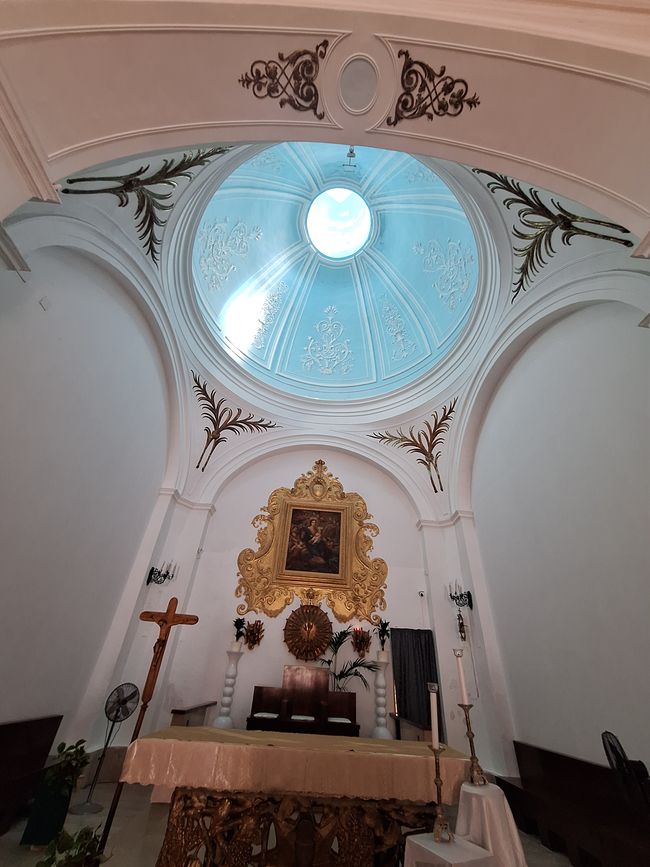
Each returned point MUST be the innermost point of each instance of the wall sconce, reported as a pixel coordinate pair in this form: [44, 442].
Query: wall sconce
[164, 573]
[462, 598]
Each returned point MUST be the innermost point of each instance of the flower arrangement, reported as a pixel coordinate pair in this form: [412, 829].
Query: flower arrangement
[240, 628]
[361, 641]
[383, 632]
[253, 634]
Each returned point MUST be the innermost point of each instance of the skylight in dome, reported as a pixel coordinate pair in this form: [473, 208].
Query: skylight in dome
[338, 223]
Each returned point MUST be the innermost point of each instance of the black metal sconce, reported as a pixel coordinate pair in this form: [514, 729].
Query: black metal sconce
[164, 573]
[462, 598]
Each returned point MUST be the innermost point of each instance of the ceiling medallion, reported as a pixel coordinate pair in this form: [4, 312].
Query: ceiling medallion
[313, 542]
[424, 442]
[427, 93]
[290, 79]
[307, 632]
[223, 419]
[151, 204]
[542, 222]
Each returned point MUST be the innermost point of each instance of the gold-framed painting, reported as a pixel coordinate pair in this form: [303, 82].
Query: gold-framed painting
[314, 541]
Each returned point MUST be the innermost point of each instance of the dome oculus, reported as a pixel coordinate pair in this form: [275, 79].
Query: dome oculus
[338, 223]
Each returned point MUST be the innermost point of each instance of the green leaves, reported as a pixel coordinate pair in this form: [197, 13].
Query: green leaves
[80, 850]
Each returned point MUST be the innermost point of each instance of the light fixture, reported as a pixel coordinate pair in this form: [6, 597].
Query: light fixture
[350, 165]
[462, 598]
[165, 573]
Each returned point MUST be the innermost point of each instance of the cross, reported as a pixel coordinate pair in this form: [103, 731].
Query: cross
[165, 621]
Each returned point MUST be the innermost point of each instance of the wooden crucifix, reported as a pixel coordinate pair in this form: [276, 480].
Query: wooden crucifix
[165, 620]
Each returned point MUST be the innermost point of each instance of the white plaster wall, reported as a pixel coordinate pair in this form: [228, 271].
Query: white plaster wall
[561, 493]
[199, 663]
[83, 436]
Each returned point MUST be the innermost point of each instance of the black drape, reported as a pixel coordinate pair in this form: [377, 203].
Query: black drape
[414, 665]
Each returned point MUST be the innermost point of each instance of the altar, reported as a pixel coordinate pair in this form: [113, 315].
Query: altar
[246, 797]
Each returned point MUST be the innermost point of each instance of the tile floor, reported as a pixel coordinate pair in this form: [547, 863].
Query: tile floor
[139, 826]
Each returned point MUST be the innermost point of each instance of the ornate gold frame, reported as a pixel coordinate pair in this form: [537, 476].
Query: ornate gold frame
[357, 590]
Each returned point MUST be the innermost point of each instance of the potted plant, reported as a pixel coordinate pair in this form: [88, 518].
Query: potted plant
[353, 668]
[80, 850]
[52, 800]
[240, 632]
[383, 634]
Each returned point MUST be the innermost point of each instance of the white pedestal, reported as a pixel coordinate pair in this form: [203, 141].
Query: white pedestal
[422, 849]
[381, 729]
[484, 818]
[224, 721]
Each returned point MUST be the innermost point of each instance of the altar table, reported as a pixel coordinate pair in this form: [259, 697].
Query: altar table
[232, 760]
[244, 797]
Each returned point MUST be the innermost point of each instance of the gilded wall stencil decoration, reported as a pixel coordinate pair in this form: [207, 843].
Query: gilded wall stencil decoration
[221, 245]
[403, 346]
[291, 79]
[222, 419]
[451, 267]
[327, 350]
[542, 221]
[427, 93]
[270, 309]
[313, 542]
[424, 442]
[152, 204]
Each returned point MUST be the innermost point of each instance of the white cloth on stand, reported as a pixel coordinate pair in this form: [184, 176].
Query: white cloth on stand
[484, 818]
[421, 850]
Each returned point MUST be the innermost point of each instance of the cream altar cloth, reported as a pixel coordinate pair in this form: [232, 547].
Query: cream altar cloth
[484, 818]
[225, 760]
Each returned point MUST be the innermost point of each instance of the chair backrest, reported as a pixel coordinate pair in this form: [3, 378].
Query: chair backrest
[342, 705]
[307, 686]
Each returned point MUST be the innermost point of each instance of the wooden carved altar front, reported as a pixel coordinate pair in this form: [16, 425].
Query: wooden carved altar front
[240, 829]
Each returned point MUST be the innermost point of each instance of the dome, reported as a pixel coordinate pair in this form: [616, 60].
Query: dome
[334, 277]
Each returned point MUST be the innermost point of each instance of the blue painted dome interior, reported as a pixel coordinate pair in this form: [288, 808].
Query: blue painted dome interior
[332, 282]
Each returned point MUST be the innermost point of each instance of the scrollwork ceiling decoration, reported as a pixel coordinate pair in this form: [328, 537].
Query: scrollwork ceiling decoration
[222, 419]
[268, 587]
[542, 221]
[152, 205]
[427, 93]
[427, 442]
[291, 79]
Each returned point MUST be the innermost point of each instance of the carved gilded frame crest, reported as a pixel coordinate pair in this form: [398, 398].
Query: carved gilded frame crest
[340, 572]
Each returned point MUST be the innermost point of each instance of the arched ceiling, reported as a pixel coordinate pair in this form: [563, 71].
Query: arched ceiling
[335, 325]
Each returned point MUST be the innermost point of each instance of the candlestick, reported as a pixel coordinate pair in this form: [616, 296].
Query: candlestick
[476, 775]
[433, 699]
[458, 653]
[442, 833]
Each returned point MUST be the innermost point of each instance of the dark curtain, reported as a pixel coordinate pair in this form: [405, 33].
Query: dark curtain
[414, 665]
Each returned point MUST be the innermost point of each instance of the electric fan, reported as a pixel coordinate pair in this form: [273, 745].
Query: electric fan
[119, 706]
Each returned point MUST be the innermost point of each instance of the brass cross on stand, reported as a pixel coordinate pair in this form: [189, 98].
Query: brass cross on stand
[165, 621]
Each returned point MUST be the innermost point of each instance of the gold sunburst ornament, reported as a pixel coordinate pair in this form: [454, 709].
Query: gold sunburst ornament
[307, 632]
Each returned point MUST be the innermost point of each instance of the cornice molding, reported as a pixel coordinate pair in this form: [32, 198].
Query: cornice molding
[20, 144]
[10, 255]
[449, 521]
[177, 497]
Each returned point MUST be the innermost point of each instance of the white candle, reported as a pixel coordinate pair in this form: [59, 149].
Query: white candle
[461, 677]
[433, 698]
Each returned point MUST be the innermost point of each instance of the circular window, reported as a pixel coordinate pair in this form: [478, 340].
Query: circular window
[338, 223]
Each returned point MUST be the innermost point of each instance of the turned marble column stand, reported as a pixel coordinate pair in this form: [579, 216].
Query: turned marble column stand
[442, 833]
[476, 775]
[381, 729]
[224, 721]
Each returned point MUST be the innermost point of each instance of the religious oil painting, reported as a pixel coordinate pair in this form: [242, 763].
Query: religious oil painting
[314, 543]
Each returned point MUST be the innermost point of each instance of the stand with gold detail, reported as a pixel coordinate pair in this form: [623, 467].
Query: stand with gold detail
[442, 833]
[476, 775]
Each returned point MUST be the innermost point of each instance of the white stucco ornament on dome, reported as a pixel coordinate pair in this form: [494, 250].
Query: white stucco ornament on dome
[333, 281]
